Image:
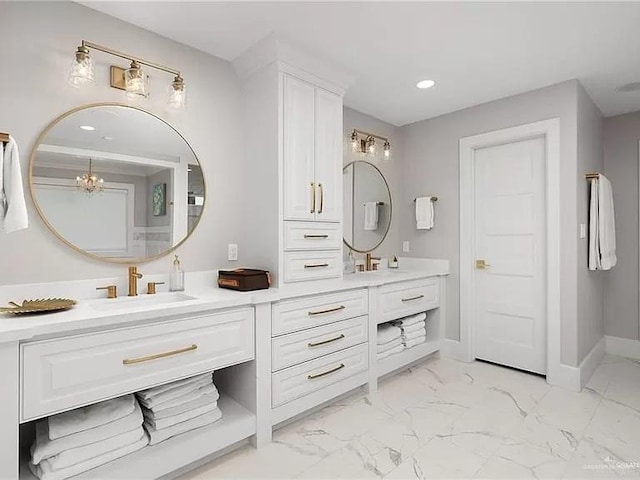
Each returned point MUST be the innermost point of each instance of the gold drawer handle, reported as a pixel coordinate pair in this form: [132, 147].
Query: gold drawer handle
[321, 198]
[318, 375]
[313, 197]
[410, 299]
[324, 342]
[331, 310]
[131, 361]
[308, 235]
[317, 265]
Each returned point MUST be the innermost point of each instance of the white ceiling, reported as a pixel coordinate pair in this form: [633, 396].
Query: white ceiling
[476, 52]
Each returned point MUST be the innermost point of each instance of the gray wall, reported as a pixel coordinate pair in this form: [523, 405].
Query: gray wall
[391, 169]
[621, 136]
[47, 34]
[430, 165]
[590, 284]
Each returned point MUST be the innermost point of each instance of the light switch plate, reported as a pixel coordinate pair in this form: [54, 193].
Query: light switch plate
[583, 230]
[405, 246]
[232, 252]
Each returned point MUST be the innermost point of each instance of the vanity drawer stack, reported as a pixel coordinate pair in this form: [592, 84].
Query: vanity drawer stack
[318, 342]
[312, 251]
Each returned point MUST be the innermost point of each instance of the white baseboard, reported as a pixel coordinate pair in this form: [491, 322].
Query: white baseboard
[623, 347]
[591, 361]
[455, 350]
[564, 376]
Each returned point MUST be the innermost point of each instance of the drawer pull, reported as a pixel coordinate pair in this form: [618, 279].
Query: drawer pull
[131, 361]
[318, 375]
[324, 342]
[317, 265]
[331, 310]
[410, 299]
[309, 235]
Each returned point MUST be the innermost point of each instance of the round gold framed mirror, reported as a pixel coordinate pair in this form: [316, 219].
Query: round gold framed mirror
[367, 206]
[116, 183]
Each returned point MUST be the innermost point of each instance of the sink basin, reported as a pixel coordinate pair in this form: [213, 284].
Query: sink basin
[142, 301]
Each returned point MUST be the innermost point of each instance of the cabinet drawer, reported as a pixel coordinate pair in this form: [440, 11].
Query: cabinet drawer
[295, 382]
[406, 298]
[64, 373]
[295, 315]
[312, 236]
[299, 347]
[301, 266]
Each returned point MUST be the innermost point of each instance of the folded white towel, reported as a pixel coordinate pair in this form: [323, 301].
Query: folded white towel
[393, 351]
[415, 334]
[155, 391]
[203, 399]
[187, 399]
[371, 216]
[412, 320]
[91, 416]
[43, 473]
[413, 328]
[13, 207]
[71, 457]
[172, 394]
[425, 214]
[390, 345]
[415, 341]
[157, 436]
[160, 423]
[43, 447]
[387, 333]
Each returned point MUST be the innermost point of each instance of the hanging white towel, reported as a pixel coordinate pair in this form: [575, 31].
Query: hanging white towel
[371, 216]
[425, 214]
[602, 229]
[13, 208]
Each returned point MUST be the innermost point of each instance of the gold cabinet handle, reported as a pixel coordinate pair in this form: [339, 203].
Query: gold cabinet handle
[411, 299]
[132, 361]
[313, 197]
[310, 235]
[324, 342]
[321, 198]
[316, 265]
[318, 375]
[331, 310]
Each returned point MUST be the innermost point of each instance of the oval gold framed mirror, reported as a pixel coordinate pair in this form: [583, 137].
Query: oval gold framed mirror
[367, 206]
[116, 183]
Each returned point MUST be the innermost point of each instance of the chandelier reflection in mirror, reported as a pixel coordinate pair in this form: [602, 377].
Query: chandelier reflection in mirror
[133, 80]
[89, 183]
[365, 142]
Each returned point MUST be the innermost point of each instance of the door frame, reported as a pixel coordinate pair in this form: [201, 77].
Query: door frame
[550, 131]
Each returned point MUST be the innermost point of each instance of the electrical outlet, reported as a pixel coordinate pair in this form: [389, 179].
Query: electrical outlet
[583, 230]
[405, 246]
[232, 252]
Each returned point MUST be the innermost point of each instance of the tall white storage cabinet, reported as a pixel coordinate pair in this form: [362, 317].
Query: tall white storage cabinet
[293, 114]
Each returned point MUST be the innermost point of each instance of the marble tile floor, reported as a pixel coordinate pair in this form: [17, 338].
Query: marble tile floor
[447, 419]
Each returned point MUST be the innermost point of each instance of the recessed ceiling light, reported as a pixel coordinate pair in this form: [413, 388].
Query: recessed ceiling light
[88, 128]
[425, 84]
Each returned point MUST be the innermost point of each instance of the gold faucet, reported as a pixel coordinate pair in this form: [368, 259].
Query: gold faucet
[368, 262]
[133, 281]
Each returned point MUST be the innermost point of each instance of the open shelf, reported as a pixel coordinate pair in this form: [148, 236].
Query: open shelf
[406, 357]
[155, 461]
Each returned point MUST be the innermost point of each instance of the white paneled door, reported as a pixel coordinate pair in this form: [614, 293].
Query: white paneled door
[510, 258]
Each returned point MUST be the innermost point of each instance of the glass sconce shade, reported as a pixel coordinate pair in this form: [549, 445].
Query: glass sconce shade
[82, 69]
[371, 145]
[177, 94]
[387, 150]
[135, 81]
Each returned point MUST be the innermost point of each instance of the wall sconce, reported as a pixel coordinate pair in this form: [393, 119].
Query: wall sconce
[133, 80]
[365, 142]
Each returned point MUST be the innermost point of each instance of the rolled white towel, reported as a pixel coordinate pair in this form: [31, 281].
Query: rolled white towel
[413, 319]
[388, 353]
[415, 334]
[91, 416]
[173, 394]
[390, 345]
[203, 399]
[415, 341]
[413, 328]
[73, 456]
[43, 447]
[155, 391]
[387, 333]
[160, 423]
[157, 436]
[43, 472]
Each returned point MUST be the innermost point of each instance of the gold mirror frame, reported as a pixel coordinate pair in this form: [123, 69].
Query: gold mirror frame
[386, 184]
[124, 261]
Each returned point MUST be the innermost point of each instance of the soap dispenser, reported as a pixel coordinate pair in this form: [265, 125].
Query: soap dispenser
[176, 281]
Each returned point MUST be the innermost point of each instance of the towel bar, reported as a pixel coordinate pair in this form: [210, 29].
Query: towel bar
[4, 137]
[433, 199]
[377, 203]
[591, 176]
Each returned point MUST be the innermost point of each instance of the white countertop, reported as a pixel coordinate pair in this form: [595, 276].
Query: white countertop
[92, 312]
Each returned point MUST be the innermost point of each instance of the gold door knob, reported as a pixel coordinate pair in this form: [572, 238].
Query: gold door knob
[482, 265]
